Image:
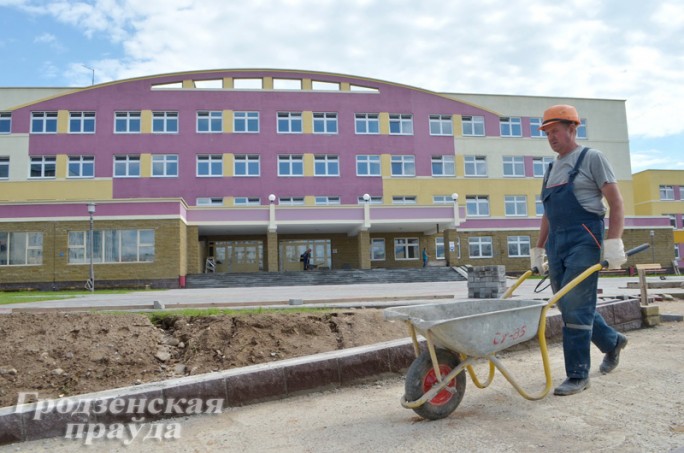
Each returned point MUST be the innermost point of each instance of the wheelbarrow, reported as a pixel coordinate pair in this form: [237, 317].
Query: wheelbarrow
[461, 333]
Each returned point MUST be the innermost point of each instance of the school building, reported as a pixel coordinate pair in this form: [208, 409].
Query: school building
[150, 179]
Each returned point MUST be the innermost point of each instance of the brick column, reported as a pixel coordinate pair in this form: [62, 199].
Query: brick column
[271, 251]
[363, 242]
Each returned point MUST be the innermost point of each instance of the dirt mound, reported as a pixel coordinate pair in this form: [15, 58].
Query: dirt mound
[58, 354]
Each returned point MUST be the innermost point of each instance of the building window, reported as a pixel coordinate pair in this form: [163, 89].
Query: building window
[515, 205]
[401, 124]
[403, 166]
[367, 123]
[373, 200]
[21, 248]
[367, 165]
[673, 220]
[165, 165]
[540, 165]
[404, 199]
[210, 122]
[473, 126]
[377, 249]
[441, 125]
[535, 132]
[209, 201]
[440, 253]
[43, 167]
[126, 166]
[325, 123]
[518, 246]
[112, 246]
[81, 167]
[127, 123]
[667, 193]
[81, 122]
[5, 122]
[406, 249]
[43, 122]
[247, 165]
[210, 165]
[582, 130]
[326, 166]
[442, 199]
[291, 165]
[165, 122]
[514, 166]
[475, 166]
[247, 201]
[291, 201]
[477, 205]
[4, 167]
[289, 122]
[510, 126]
[246, 122]
[327, 201]
[443, 166]
[480, 247]
[538, 206]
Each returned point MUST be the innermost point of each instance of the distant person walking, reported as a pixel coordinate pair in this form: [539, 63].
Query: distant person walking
[425, 257]
[305, 258]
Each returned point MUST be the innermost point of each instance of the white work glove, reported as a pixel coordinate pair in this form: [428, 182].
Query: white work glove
[614, 253]
[537, 255]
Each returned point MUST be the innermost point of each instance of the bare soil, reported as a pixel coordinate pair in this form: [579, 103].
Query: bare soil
[63, 354]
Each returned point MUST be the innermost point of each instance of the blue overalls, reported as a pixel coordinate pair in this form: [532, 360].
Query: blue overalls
[573, 245]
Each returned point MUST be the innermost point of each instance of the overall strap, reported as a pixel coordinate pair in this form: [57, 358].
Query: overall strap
[575, 170]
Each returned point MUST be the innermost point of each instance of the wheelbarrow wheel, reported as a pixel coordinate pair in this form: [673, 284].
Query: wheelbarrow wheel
[421, 377]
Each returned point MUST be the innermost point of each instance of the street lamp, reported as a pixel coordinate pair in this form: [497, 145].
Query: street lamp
[272, 198]
[91, 211]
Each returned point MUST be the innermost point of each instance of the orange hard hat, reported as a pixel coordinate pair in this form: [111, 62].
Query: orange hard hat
[559, 114]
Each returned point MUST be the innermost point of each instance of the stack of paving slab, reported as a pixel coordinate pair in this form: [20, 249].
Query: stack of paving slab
[486, 282]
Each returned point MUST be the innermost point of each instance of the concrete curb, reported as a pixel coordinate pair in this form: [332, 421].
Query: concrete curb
[237, 387]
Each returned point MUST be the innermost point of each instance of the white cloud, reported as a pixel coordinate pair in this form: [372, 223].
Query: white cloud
[618, 49]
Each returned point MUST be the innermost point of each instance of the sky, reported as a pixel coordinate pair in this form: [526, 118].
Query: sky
[608, 49]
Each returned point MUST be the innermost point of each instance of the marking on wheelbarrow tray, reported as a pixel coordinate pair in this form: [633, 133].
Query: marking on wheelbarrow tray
[512, 335]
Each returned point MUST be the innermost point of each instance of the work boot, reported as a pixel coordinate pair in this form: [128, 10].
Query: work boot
[611, 359]
[571, 386]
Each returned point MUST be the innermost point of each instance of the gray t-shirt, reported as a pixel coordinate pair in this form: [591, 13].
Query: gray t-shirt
[594, 172]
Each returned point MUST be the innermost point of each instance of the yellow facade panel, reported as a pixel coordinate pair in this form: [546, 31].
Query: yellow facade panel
[145, 165]
[228, 117]
[63, 122]
[54, 190]
[307, 122]
[146, 121]
[383, 118]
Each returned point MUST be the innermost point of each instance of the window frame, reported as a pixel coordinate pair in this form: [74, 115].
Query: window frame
[169, 120]
[4, 167]
[475, 125]
[247, 201]
[165, 165]
[479, 203]
[518, 203]
[447, 164]
[132, 120]
[130, 162]
[5, 123]
[82, 122]
[519, 243]
[327, 122]
[403, 162]
[401, 124]
[378, 250]
[513, 166]
[81, 164]
[293, 121]
[540, 163]
[371, 162]
[480, 242]
[370, 123]
[293, 162]
[47, 121]
[209, 122]
[441, 125]
[329, 163]
[243, 122]
[43, 167]
[410, 247]
[213, 164]
[325, 200]
[535, 124]
[248, 161]
[477, 164]
[666, 192]
[510, 126]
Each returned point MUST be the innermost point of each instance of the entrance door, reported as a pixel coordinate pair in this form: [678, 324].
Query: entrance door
[291, 250]
[238, 256]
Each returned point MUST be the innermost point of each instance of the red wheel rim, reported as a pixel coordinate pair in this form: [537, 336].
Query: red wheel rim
[430, 380]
